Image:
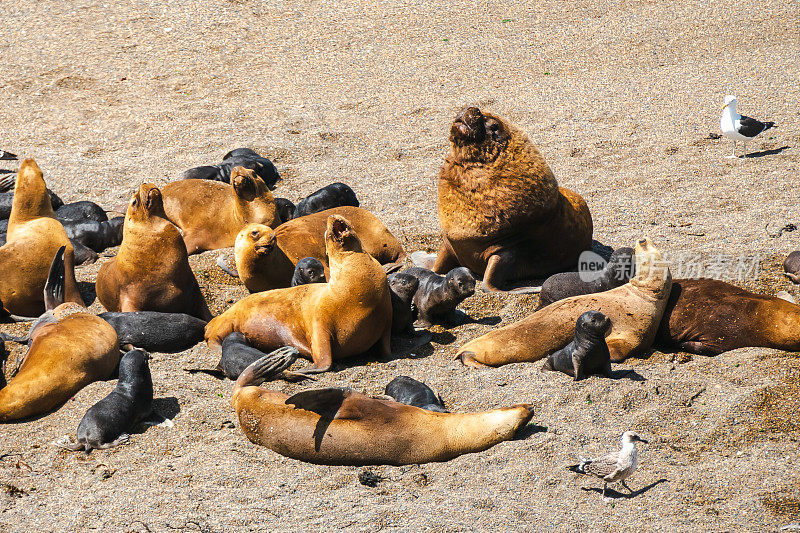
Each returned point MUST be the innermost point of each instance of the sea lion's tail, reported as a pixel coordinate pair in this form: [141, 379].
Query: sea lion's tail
[267, 367]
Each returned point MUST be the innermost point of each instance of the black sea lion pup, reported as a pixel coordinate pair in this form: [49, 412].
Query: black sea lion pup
[237, 354]
[285, 209]
[308, 270]
[412, 392]
[95, 235]
[156, 332]
[403, 287]
[588, 353]
[438, 296]
[328, 197]
[621, 267]
[240, 157]
[83, 210]
[106, 423]
[791, 266]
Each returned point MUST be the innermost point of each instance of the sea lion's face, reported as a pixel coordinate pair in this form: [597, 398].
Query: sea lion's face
[594, 323]
[462, 281]
[311, 270]
[258, 237]
[480, 130]
[403, 285]
[340, 237]
[247, 185]
[648, 260]
[145, 202]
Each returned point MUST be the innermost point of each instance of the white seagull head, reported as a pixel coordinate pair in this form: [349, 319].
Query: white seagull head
[631, 436]
[730, 100]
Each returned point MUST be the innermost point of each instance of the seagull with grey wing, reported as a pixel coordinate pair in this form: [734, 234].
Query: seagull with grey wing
[738, 127]
[615, 467]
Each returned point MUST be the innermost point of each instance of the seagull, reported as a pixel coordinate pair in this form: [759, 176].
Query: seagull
[616, 466]
[738, 127]
[7, 156]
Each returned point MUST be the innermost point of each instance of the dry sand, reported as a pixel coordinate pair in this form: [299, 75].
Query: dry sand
[620, 96]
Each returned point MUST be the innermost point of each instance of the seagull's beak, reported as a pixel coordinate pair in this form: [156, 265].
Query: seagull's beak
[640, 439]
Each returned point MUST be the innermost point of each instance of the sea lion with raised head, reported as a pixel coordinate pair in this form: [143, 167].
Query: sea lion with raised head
[7, 200]
[34, 236]
[341, 427]
[106, 424]
[266, 258]
[438, 296]
[239, 157]
[333, 195]
[501, 210]
[210, 214]
[403, 287]
[308, 270]
[151, 270]
[588, 353]
[618, 271]
[68, 349]
[635, 310]
[709, 316]
[325, 321]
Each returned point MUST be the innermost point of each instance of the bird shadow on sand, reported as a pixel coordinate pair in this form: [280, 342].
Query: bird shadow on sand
[762, 153]
[613, 494]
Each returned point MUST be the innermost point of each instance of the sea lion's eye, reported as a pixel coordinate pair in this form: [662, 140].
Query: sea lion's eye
[254, 233]
[134, 202]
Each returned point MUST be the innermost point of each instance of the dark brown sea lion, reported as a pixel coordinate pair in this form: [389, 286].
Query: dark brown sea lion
[708, 317]
[151, 270]
[501, 210]
[588, 353]
[34, 236]
[266, 258]
[210, 213]
[635, 310]
[342, 427]
[68, 349]
[324, 321]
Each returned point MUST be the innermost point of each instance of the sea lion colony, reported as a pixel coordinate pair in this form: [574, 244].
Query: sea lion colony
[325, 286]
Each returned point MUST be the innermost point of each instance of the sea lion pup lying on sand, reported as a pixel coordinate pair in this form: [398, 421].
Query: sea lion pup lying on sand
[336, 426]
[333, 195]
[635, 310]
[708, 317]
[211, 214]
[34, 236]
[239, 157]
[68, 349]
[324, 321]
[618, 271]
[501, 210]
[266, 258]
[151, 271]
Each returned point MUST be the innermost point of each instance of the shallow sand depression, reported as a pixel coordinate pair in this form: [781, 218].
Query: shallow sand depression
[620, 97]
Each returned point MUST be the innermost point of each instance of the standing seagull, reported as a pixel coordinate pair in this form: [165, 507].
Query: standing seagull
[616, 466]
[739, 128]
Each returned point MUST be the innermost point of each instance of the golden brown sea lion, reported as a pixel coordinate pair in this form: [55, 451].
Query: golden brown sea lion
[341, 427]
[68, 349]
[501, 210]
[324, 321]
[34, 236]
[265, 259]
[635, 310]
[708, 317]
[212, 213]
[151, 271]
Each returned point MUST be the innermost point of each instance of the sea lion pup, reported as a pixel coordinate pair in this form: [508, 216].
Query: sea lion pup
[588, 353]
[240, 157]
[438, 296]
[285, 209]
[635, 310]
[341, 427]
[106, 423]
[34, 235]
[266, 258]
[211, 214]
[82, 210]
[238, 354]
[151, 270]
[324, 321]
[403, 287]
[68, 349]
[95, 235]
[157, 332]
[708, 317]
[501, 210]
[618, 271]
[791, 266]
[412, 392]
[333, 195]
[308, 270]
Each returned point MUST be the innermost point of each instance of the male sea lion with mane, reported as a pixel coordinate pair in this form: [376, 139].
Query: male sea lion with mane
[501, 210]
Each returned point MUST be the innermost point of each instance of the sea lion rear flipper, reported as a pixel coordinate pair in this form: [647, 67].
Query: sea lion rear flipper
[83, 254]
[392, 267]
[231, 271]
[267, 367]
[423, 259]
[54, 287]
[7, 182]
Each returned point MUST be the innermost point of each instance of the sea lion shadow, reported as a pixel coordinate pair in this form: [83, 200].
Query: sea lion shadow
[627, 373]
[87, 291]
[460, 318]
[164, 411]
[762, 153]
[529, 430]
[611, 493]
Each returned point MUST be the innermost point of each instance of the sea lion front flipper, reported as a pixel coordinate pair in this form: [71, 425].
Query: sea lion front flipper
[8, 182]
[325, 402]
[54, 287]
